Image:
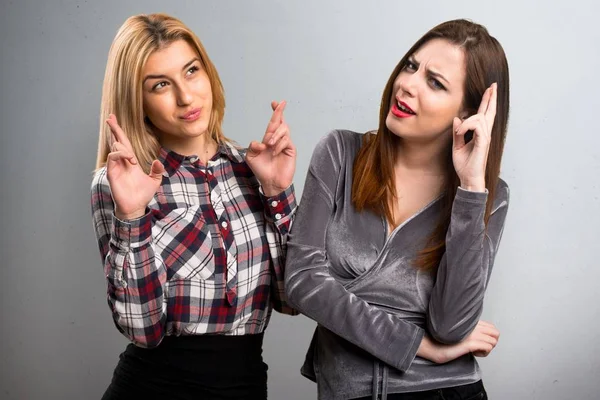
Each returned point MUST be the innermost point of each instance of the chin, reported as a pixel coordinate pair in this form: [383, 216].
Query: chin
[197, 129]
[393, 127]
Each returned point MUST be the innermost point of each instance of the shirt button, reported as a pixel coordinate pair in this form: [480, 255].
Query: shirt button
[278, 216]
[274, 203]
[224, 225]
[193, 159]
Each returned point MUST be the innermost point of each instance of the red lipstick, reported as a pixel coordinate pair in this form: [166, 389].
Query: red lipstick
[402, 112]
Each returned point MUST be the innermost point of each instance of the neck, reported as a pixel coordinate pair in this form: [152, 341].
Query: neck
[203, 146]
[425, 159]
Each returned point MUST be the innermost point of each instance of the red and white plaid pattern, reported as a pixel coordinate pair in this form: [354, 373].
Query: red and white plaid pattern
[207, 257]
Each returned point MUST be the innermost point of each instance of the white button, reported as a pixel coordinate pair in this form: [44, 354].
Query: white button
[274, 203]
[224, 224]
[193, 159]
[277, 216]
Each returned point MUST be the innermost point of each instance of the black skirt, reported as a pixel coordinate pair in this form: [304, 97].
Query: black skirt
[192, 367]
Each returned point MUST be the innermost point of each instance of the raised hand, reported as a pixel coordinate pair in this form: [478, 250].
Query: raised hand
[131, 188]
[470, 159]
[273, 160]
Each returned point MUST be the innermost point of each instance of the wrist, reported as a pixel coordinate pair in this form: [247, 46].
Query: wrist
[428, 350]
[129, 216]
[473, 186]
[271, 191]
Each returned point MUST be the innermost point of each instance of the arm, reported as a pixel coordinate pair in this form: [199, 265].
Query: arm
[313, 291]
[135, 274]
[279, 214]
[456, 300]
[273, 162]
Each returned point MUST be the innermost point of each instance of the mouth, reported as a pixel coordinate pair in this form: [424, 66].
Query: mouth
[192, 115]
[401, 110]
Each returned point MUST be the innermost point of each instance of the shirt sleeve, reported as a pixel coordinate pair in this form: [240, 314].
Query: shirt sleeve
[456, 300]
[279, 214]
[135, 274]
[311, 288]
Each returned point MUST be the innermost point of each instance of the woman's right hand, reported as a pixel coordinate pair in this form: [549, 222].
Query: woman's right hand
[480, 342]
[131, 188]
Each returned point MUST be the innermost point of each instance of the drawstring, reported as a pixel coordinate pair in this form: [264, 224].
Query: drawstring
[384, 384]
[375, 380]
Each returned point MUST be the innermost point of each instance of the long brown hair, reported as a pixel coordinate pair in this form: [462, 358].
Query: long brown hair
[138, 37]
[373, 186]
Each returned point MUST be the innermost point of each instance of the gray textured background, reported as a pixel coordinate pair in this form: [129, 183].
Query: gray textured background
[330, 60]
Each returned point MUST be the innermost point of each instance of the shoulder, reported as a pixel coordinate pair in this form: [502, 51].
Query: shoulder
[233, 150]
[342, 138]
[101, 196]
[100, 181]
[338, 145]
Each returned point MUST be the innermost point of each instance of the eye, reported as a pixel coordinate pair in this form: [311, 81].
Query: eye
[410, 66]
[192, 69]
[159, 86]
[436, 84]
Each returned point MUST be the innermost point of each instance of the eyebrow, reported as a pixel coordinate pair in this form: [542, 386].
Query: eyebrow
[430, 72]
[187, 65]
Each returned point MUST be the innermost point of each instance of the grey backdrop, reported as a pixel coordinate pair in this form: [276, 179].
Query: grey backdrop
[330, 60]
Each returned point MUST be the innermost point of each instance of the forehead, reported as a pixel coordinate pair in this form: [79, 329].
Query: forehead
[172, 56]
[443, 57]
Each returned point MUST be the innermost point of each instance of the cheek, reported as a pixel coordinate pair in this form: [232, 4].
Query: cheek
[205, 88]
[396, 85]
[156, 107]
[442, 106]
[206, 95]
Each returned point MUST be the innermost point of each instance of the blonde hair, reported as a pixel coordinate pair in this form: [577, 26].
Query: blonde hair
[136, 40]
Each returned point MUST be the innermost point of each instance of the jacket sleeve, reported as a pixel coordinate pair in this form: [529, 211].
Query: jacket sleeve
[456, 300]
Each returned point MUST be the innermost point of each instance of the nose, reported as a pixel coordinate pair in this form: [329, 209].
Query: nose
[184, 96]
[406, 84]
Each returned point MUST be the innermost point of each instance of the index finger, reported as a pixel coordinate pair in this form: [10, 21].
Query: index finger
[490, 113]
[116, 130]
[485, 101]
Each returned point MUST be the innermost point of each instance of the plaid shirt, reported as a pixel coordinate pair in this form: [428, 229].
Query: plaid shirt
[207, 257]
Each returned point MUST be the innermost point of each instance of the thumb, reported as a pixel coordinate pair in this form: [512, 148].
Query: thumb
[156, 170]
[255, 148]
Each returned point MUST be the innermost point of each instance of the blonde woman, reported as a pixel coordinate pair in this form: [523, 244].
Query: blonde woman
[192, 230]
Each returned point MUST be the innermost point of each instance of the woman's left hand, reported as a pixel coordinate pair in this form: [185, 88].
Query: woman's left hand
[470, 159]
[273, 160]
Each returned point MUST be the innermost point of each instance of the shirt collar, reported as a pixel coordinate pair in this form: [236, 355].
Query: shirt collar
[172, 160]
